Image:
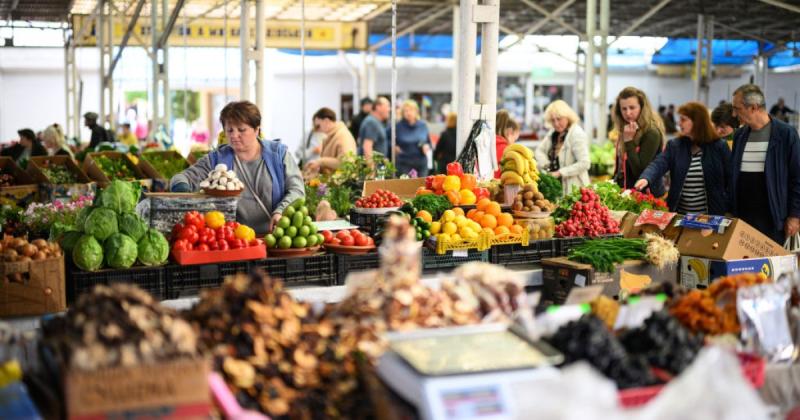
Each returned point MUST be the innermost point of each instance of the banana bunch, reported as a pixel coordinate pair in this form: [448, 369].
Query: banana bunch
[700, 269]
[518, 165]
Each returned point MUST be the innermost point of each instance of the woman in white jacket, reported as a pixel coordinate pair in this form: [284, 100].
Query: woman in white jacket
[564, 151]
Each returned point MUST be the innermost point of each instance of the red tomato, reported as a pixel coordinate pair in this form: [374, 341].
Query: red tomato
[354, 232]
[176, 230]
[222, 245]
[181, 245]
[194, 218]
[231, 224]
[229, 235]
[327, 235]
[203, 247]
[348, 241]
[342, 234]
[213, 246]
[361, 240]
[370, 241]
[335, 241]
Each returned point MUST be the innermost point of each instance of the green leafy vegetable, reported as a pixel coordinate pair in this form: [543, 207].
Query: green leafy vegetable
[121, 196]
[166, 165]
[115, 168]
[88, 254]
[602, 159]
[550, 187]
[80, 220]
[153, 248]
[59, 175]
[68, 241]
[101, 223]
[432, 203]
[132, 225]
[603, 254]
[120, 251]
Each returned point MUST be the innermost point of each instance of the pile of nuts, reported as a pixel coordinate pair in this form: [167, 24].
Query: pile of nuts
[491, 291]
[120, 325]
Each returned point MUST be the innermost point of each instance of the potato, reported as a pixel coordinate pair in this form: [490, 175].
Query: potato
[528, 203]
[528, 195]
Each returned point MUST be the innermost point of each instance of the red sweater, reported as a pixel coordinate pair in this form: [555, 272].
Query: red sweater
[500, 144]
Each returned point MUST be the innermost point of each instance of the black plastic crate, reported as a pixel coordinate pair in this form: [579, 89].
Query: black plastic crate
[351, 263]
[367, 223]
[317, 269]
[188, 280]
[433, 261]
[517, 254]
[565, 245]
[150, 279]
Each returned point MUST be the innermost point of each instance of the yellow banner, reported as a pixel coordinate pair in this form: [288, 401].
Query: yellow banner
[320, 35]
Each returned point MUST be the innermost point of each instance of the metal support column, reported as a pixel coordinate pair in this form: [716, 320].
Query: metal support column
[588, 89]
[467, 44]
[108, 77]
[73, 122]
[707, 76]
[372, 89]
[244, 46]
[164, 74]
[261, 35]
[160, 98]
[698, 58]
[456, 70]
[605, 17]
[577, 97]
[100, 31]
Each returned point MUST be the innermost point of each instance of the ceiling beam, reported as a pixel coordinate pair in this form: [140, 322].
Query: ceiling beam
[213, 9]
[377, 12]
[744, 33]
[88, 23]
[540, 24]
[641, 20]
[171, 24]
[552, 17]
[429, 16]
[542, 48]
[777, 3]
[127, 36]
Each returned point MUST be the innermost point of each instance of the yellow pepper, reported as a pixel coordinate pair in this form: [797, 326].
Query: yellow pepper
[215, 219]
[451, 183]
[245, 232]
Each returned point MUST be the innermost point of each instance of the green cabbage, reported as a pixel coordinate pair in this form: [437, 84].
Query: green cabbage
[88, 254]
[68, 241]
[120, 251]
[153, 248]
[101, 223]
[132, 225]
[80, 220]
[121, 196]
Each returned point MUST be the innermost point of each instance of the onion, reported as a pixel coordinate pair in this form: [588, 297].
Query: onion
[29, 250]
[40, 243]
[24, 258]
[10, 255]
[39, 256]
[17, 242]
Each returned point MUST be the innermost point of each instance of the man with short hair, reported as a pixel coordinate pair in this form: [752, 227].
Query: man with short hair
[355, 124]
[765, 187]
[99, 134]
[337, 144]
[781, 111]
[372, 134]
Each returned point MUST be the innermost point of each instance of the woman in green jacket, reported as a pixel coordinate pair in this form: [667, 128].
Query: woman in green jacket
[641, 138]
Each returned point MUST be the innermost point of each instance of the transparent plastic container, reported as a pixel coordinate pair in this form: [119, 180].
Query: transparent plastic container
[538, 229]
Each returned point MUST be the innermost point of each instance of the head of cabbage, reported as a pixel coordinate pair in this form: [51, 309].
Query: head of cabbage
[87, 253]
[120, 251]
[132, 225]
[80, 220]
[101, 223]
[153, 248]
[121, 196]
[68, 241]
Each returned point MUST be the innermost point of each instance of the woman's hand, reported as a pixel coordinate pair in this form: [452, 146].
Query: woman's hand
[641, 184]
[629, 131]
[398, 151]
[275, 218]
[313, 166]
[555, 174]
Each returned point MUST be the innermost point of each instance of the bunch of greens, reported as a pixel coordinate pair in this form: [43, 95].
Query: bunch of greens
[550, 187]
[59, 175]
[166, 165]
[115, 169]
[432, 203]
[613, 197]
[603, 254]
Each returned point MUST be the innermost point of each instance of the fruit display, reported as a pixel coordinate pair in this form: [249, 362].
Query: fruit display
[588, 217]
[420, 219]
[211, 232]
[58, 175]
[518, 166]
[165, 164]
[295, 229]
[379, 199]
[530, 199]
[588, 339]
[433, 206]
[454, 227]
[459, 188]
[222, 179]
[712, 311]
[118, 326]
[612, 197]
[20, 250]
[115, 169]
[664, 342]
[352, 237]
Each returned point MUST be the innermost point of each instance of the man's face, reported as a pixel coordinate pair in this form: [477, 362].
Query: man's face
[742, 111]
[723, 130]
[382, 109]
[366, 108]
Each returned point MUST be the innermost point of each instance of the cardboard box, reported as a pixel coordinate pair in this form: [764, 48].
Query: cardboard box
[95, 173]
[41, 290]
[700, 272]
[560, 275]
[48, 191]
[629, 228]
[160, 182]
[24, 191]
[174, 389]
[163, 210]
[737, 242]
[404, 188]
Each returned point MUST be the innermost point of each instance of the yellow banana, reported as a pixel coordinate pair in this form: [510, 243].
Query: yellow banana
[700, 270]
[527, 178]
[509, 165]
[519, 161]
[511, 178]
[524, 151]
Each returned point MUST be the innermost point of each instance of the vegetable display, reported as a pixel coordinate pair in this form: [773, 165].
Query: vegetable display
[530, 199]
[457, 187]
[120, 251]
[602, 159]
[121, 196]
[166, 165]
[132, 225]
[434, 204]
[379, 199]
[222, 179]
[295, 229]
[550, 187]
[614, 198]
[603, 254]
[115, 169]
[352, 237]
[87, 253]
[59, 175]
[211, 232]
[588, 217]
[20, 250]
[153, 248]
[101, 223]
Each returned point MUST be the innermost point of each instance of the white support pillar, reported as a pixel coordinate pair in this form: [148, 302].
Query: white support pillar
[372, 89]
[160, 100]
[579, 90]
[261, 35]
[709, 37]
[154, 98]
[698, 58]
[588, 89]
[244, 46]
[466, 81]
[490, 35]
[73, 122]
[605, 18]
[109, 56]
[166, 104]
[100, 31]
[363, 82]
[455, 73]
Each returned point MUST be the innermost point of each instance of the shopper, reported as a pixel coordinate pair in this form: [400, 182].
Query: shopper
[765, 185]
[670, 126]
[55, 142]
[724, 122]
[372, 133]
[781, 111]
[312, 146]
[99, 134]
[506, 133]
[337, 144]
[272, 180]
[413, 144]
[641, 138]
[355, 123]
[26, 147]
[698, 163]
[127, 137]
[445, 151]
[564, 151]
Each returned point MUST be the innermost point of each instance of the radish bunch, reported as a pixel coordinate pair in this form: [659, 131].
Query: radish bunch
[588, 218]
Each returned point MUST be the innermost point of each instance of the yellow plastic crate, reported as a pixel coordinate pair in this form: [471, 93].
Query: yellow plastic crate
[508, 239]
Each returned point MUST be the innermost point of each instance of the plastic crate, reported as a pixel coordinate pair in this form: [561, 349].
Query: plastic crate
[350, 263]
[565, 245]
[434, 261]
[150, 279]
[316, 269]
[188, 280]
[510, 255]
[367, 223]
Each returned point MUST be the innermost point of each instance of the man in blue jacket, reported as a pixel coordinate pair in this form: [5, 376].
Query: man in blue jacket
[766, 168]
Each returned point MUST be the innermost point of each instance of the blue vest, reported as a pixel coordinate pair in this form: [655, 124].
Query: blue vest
[273, 152]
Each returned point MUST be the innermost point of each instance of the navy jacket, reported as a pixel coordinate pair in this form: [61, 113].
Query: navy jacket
[782, 169]
[676, 159]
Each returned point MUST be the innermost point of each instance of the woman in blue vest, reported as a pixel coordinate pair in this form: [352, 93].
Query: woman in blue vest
[272, 180]
[413, 142]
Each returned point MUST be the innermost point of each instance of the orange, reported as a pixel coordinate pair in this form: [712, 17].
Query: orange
[425, 215]
[453, 197]
[493, 208]
[516, 229]
[501, 230]
[482, 203]
[471, 214]
[489, 231]
[477, 216]
[505, 219]
[458, 211]
[488, 221]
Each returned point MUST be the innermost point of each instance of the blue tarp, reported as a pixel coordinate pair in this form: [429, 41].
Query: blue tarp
[424, 46]
[724, 51]
[789, 57]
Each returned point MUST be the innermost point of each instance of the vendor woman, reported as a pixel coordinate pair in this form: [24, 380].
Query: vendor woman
[271, 177]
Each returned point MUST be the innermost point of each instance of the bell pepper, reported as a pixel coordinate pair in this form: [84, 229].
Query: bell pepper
[245, 232]
[429, 182]
[481, 192]
[468, 181]
[423, 191]
[454, 168]
[438, 181]
[453, 197]
[215, 219]
[452, 183]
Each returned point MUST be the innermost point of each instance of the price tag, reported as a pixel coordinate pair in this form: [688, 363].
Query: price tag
[580, 280]
[460, 253]
[580, 295]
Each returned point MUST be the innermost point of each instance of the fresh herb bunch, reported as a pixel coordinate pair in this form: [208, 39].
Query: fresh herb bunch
[166, 165]
[603, 254]
[432, 203]
[59, 175]
[550, 187]
[115, 169]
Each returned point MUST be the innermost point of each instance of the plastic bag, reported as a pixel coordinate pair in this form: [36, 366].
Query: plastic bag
[479, 154]
[763, 316]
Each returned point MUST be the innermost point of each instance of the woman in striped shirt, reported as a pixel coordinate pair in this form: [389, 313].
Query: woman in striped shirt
[698, 163]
